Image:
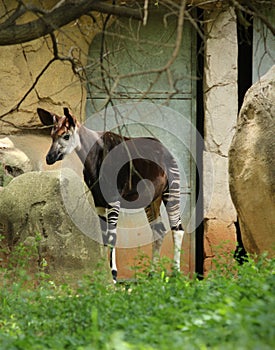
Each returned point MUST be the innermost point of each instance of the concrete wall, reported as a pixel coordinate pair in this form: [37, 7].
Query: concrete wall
[221, 108]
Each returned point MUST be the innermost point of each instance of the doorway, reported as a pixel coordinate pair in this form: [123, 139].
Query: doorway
[131, 93]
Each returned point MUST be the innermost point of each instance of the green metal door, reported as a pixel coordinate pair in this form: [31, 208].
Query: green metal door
[131, 92]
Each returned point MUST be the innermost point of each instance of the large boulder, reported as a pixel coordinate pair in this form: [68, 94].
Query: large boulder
[53, 211]
[252, 167]
[13, 162]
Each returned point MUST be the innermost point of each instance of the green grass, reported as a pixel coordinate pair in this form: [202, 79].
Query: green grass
[234, 308]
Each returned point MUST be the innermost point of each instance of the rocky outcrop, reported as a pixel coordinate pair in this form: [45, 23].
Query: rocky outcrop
[21, 65]
[252, 167]
[14, 162]
[53, 212]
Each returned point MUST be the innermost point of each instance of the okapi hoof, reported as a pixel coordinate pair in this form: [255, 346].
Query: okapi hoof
[114, 274]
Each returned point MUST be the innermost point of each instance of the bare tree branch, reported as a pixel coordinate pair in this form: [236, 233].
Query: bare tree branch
[19, 11]
[66, 12]
[47, 21]
[251, 8]
[16, 107]
[55, 58]
[157, 71]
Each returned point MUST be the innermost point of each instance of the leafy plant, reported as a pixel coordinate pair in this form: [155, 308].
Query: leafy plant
[223, 311]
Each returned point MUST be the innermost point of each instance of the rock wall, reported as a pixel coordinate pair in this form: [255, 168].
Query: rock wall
[220, 103]
[252, 167]
[58, 86]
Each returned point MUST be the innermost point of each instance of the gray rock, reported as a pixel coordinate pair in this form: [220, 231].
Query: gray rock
[54, 212]
[13, 162]
[252, 167]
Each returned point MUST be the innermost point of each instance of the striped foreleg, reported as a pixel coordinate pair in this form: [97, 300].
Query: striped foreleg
[111, 236]
[108, 222]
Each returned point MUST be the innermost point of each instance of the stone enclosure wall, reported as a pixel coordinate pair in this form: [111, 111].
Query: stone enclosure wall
[221, 109]
[21, 64]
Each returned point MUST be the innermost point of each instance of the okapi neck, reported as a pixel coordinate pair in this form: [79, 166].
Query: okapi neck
[88, 138]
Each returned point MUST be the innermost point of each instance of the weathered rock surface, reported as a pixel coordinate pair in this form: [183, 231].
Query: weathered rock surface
[221, 109]
[252, 167]
[51, 210]
[14, 162]
[21, 64]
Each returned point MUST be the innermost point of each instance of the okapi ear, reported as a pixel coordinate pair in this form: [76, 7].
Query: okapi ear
[46, 117]
[70, 118]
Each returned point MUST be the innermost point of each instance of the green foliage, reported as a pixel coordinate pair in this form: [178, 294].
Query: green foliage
[223, 311]
[19, 264]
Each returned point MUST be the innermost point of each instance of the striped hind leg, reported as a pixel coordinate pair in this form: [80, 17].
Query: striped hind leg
[153, 215]
[171, 200]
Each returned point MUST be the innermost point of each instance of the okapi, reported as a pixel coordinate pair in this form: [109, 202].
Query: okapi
[147, 175]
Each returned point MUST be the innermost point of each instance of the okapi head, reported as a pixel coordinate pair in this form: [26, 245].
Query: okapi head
[65, 136]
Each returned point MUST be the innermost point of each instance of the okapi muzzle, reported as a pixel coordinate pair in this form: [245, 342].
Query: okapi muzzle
[54, 155]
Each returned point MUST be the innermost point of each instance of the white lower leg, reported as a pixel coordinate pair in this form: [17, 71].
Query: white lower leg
[113, 263]
[177, 237]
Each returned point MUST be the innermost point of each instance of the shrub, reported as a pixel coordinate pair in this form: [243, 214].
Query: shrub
[223, 311]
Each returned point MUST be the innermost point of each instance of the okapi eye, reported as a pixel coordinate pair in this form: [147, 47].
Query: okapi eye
[66, 137]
